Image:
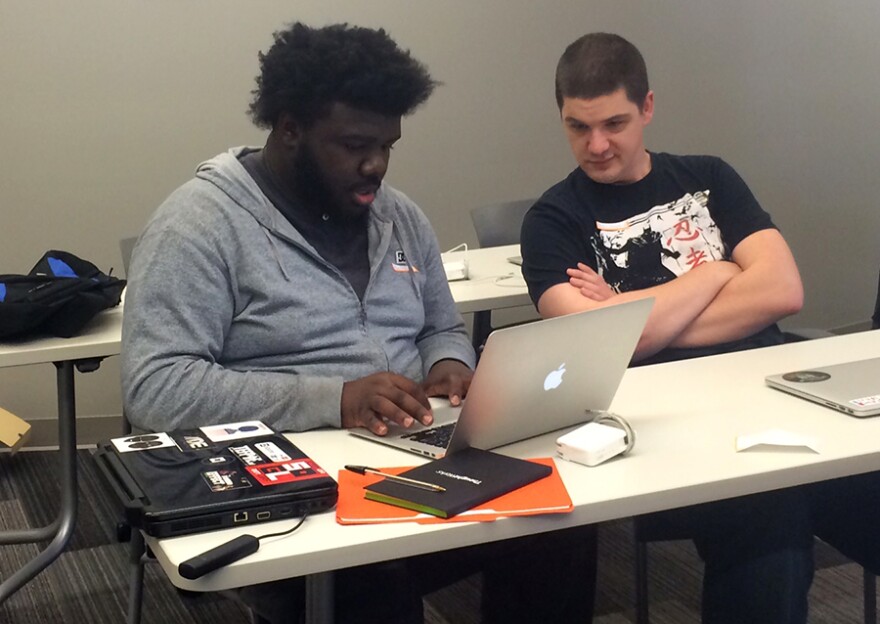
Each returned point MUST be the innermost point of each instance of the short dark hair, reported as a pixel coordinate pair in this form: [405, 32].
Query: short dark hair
[307, 70]
[599, 64]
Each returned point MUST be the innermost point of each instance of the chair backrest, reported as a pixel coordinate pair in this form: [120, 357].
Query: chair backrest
[499, 224]
[126, 245]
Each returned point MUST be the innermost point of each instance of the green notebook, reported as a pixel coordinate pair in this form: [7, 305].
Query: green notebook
[471, 477]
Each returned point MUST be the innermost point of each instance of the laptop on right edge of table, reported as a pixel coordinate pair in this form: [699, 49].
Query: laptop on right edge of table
[533, 379]
[852, 387]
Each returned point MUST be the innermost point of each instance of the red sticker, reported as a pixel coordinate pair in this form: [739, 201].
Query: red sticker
[286, 472]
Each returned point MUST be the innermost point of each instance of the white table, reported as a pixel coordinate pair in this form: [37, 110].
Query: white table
[99, 339]
[493, 283]
[686, 415]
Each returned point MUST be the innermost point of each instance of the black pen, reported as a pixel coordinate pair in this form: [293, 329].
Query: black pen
[403, 480]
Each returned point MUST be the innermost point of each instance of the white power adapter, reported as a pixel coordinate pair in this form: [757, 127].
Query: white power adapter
[456, 270]
[455, 263]
[592, 444]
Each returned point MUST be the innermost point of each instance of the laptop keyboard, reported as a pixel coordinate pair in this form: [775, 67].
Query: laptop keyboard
[435, 436]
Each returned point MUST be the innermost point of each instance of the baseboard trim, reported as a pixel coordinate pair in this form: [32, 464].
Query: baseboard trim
[89, 431]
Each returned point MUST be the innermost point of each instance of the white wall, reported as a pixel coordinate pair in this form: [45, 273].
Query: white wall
[107, 105]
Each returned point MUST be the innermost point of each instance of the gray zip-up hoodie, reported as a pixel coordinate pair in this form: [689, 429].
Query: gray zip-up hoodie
[231, 315]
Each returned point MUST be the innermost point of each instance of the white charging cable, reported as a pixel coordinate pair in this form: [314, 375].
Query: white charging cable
[517, 281]
[614, 420]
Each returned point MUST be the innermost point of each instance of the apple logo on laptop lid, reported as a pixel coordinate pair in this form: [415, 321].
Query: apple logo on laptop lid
[554, 378]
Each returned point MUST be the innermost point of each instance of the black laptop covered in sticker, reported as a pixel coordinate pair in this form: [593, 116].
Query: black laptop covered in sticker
[210, 478]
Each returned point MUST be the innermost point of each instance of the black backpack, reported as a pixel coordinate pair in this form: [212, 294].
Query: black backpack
[58, 297]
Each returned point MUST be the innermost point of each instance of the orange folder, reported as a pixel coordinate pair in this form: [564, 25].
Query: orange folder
[547, 495]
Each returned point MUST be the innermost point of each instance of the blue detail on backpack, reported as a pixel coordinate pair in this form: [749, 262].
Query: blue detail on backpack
[2, 292]
[60, 268]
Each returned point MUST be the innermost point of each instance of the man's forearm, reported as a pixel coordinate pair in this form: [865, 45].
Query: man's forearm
[186, 392]
[768, 289]
[676, 303]
[743, 307]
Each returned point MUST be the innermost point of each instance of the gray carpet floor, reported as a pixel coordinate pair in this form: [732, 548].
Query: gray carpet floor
[88, 582]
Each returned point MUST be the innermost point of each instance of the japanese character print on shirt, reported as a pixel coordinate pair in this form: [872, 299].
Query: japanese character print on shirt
[658, 245]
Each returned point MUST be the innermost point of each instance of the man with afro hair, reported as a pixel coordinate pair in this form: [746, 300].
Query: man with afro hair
[290, 284]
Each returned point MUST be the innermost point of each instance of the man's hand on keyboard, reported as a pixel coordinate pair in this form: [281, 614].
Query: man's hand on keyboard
[448, 378]
[370, 401]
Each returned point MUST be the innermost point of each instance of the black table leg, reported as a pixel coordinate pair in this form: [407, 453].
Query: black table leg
[136, 557]
[319, 598]
[482, 329]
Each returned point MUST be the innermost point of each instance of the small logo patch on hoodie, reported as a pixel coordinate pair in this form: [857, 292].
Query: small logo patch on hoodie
[400, 264]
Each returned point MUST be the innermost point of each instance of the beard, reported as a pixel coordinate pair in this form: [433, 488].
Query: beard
[309, 182]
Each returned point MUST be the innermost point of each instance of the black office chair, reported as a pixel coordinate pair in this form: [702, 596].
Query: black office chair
[499, 224]
[646, 529]
[496, 225]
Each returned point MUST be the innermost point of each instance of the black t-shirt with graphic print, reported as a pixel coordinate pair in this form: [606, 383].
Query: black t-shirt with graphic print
[688, 210]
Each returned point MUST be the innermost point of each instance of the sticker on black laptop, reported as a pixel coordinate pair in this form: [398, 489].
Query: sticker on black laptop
[271, 451]
[259, 453]
[191, 440]
[225, 480]
[286, 472]
[247, 454]
[235, 431]
[142, 442]
[806, 376]
[217, 460]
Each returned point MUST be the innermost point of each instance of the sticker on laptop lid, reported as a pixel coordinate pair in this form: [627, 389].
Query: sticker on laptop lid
[286, 472]
[248, 455]
[271, 450]
[142, 442]
[225, 480]
[807, 376]
[236, 431]
[259, 453]
[191, 440]
[217, 460]
[869, 401]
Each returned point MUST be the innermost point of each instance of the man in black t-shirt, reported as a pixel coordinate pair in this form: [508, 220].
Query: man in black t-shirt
[629, 224]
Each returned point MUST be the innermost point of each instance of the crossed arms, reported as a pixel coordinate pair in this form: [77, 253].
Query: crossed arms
[713, 303]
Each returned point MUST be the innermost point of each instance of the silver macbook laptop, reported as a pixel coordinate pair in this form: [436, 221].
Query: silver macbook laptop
[853, 387]
[532, 379]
